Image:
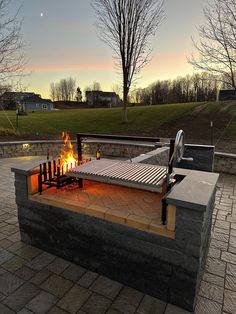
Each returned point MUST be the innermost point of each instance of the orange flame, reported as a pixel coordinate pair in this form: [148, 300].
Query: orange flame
[68, 158]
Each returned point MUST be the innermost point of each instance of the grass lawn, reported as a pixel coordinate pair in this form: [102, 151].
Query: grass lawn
[94, 120]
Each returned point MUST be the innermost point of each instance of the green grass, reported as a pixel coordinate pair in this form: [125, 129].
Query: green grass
[95, 120]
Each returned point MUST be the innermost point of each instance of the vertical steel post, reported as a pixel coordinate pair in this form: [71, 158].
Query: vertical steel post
[172, 148]
[54, 168]
[168, 185]
[50, 170]
[40, 187]
[79, 147]
[58, 177]
[45, 177]
[211, 132]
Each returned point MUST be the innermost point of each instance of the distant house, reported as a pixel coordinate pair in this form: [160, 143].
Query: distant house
[227, 94]
[27, 101]
[102, 99]
[16, 96]
[36, 103]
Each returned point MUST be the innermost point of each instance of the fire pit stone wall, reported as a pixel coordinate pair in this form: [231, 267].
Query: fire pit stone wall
[160, 266]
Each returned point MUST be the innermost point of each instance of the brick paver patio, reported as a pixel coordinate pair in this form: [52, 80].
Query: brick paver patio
[34, 281]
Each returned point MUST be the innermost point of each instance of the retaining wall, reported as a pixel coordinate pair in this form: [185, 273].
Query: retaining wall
[225, 163]
[116, 148]
[40, 148]
[145, 153]
[30, 148]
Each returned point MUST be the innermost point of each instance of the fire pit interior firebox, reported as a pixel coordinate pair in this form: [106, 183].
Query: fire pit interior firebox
[143, 225]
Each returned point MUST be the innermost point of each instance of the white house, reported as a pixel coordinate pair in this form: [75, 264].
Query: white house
[102, 99]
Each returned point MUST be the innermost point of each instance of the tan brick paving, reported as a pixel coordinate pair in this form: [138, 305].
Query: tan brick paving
[33, 281]
[136, 208]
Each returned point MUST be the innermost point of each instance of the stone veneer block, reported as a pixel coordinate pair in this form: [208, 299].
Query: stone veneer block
[203, 157]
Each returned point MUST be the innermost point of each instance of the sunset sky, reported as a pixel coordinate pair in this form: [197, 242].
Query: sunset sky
[62, 41]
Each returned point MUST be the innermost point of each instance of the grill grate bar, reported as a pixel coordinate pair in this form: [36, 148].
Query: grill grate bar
[142, 174]
[130, 174]
[155, 180]
[116, 170]
[146, 176]
[156, 173]
[93, 168]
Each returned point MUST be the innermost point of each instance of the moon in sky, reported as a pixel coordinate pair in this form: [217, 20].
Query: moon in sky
[41, 14]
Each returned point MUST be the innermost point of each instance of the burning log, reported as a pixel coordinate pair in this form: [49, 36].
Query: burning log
[53, 173]
[67, 156]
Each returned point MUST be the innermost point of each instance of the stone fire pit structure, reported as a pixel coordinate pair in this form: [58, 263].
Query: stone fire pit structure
[117, 230]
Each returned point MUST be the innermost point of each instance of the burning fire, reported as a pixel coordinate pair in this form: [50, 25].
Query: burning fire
[68, 158]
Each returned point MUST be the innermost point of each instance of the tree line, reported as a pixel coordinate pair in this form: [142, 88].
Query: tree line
[190, 88]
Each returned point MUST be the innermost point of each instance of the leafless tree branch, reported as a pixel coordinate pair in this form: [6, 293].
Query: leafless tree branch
[216, 47]
[12, 58]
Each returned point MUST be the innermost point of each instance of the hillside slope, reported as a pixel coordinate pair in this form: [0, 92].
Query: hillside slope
[161, 121]
[197, 125]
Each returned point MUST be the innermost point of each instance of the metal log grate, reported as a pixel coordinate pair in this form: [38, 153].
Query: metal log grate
[51, 174]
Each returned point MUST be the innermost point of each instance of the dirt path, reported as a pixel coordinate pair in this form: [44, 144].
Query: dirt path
[197, 127]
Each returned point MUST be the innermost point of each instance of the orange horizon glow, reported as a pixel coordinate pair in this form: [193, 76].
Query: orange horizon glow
[54, 68]
[161, 67]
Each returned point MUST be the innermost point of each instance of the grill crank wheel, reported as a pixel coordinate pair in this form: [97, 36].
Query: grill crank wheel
[178, 153]
[176, 157]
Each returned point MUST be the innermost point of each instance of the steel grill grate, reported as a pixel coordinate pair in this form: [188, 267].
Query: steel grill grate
[141, 176]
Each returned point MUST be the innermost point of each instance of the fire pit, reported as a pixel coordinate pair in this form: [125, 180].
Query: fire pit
[117, 229]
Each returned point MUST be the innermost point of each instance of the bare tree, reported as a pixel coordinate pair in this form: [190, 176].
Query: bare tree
[12, 58]
[53, 91]
[96, 86]
[126, 26]
[216, 47]
[64, 90]
[71, 86]
[5, 88]
[117, 88]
